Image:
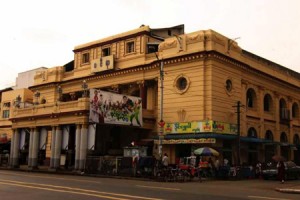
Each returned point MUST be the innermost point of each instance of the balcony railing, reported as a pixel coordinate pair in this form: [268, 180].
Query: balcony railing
[50, 108]
[62, 107]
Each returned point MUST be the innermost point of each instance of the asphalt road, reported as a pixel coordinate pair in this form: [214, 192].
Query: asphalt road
[35, 186]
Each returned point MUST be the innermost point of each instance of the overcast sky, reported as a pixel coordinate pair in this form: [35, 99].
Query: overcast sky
[37, 33]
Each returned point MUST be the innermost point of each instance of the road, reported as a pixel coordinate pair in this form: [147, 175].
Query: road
[33, 186]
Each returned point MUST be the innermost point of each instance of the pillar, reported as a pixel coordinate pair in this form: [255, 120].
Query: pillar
[58, 140]
[53, 136]
[77, 146]
[30, 148]
[16, 149]
[11, 154]
[83, 147]
[35, 148]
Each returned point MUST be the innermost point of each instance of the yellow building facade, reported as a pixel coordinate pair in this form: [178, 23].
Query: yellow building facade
[204, 74]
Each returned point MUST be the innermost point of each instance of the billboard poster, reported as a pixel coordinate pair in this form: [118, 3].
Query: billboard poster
[111, 108]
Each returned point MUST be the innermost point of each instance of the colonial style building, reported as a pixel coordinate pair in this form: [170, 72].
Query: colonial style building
[196, 89]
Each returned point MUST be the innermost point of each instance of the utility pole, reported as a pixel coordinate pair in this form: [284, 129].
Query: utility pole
[161, 123]
[238, 140]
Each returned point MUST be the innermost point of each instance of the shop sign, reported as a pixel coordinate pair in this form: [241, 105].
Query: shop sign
[200, 127]
[111, 108]
[190, 141]
[186, 127]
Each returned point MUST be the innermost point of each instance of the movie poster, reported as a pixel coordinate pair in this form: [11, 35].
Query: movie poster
[111, 108]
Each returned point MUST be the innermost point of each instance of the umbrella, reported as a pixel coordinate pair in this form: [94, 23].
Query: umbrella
[206, 151]
[278, 158]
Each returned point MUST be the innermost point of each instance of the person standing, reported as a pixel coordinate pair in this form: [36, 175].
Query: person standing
[281, 171]
[193, 160]
[165, 160]
[217, 167]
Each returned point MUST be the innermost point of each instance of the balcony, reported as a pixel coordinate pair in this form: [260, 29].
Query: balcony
[51, 108]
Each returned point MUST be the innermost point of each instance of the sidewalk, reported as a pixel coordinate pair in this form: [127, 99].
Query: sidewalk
[289, 189]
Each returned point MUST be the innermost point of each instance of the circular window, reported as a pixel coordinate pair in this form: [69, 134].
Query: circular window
[228, 85]
[181, 84]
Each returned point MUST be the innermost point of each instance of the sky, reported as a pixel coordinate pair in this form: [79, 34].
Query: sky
[36, 33]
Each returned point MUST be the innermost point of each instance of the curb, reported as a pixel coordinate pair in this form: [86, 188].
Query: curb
[287, 190]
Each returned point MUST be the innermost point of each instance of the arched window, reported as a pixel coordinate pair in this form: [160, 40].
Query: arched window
[296, 139]
[252, 132]
[295, 110]
[284, 112]
[251, 98]
[267, 102]
[283, 137]
[269, 135]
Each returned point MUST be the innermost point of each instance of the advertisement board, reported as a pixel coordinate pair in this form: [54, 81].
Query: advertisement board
[111, 108]
[208, 126]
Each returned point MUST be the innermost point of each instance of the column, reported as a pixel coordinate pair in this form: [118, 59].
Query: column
[11, 154]
[30, 148]
[16, 150]
[83, 147]
[58, 140]
[143, 95]
[53, 136]
[77, 146]
[35, 148]
[277, 119]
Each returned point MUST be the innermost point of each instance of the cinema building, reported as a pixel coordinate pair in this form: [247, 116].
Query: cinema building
[109, 97]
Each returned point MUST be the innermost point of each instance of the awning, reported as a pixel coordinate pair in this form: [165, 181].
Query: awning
[254, 140]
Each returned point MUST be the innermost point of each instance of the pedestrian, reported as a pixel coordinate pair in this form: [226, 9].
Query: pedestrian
[217, 167]
[281, 171]
[258, 170]
[193, 160]
[165, 160]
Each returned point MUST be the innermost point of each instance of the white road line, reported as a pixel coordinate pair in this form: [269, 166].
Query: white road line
[161, 188]
[271, 198]
[79, 190]
[51, 177]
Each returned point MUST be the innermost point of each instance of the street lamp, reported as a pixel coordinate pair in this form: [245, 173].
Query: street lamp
[84, 87]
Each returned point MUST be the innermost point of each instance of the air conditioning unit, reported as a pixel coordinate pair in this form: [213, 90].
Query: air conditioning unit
[102, 64]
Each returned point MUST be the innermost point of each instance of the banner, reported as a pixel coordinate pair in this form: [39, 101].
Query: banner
[208, 126]
[111, 108]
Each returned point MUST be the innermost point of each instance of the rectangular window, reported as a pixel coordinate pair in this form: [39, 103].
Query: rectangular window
[6, 105]
[130, 47]
[106, 52]
[5, 114]
[85, 58]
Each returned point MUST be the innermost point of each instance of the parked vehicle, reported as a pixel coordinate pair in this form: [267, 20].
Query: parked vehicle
[292, 171]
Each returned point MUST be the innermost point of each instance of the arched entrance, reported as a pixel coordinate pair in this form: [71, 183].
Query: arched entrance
[296, 142]
[252, 147]
[284, 148]
[269, 147]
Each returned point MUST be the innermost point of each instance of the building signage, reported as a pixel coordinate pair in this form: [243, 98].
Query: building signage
[111, 108]
[190, 141]
[102, 64]
[200, 127]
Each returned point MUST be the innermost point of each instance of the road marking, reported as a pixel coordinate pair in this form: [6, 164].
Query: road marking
[162, 188]
[49, 177]
[63, 191]
[260, 197]
[76, 189]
